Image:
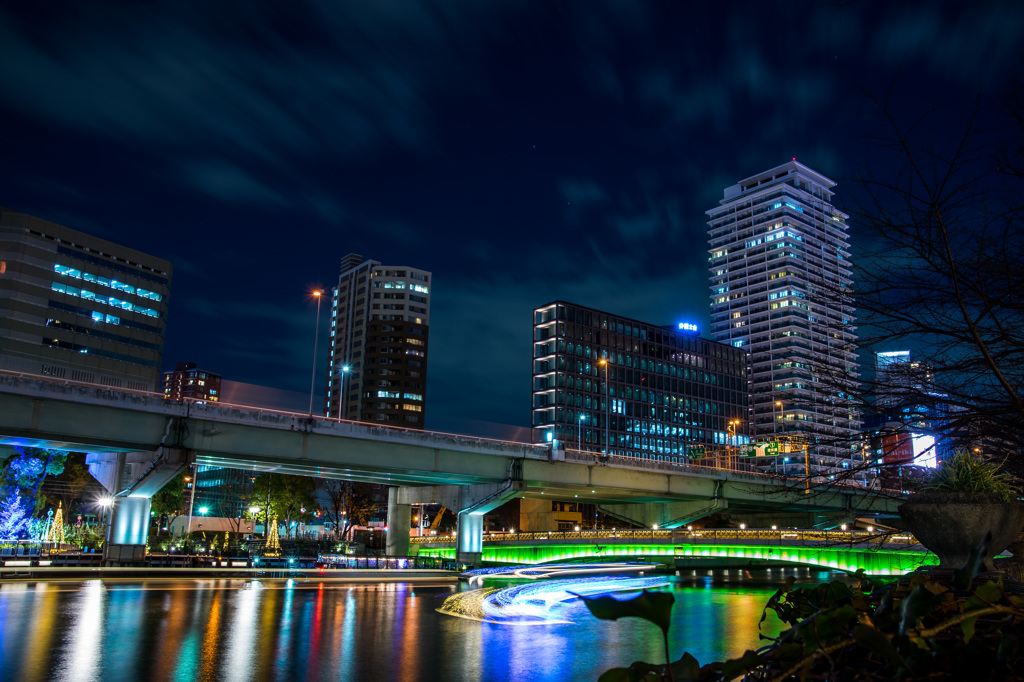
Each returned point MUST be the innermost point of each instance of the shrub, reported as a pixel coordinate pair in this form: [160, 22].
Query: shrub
[965, 474]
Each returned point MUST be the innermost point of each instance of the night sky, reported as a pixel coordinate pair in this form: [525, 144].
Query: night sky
[522, 151]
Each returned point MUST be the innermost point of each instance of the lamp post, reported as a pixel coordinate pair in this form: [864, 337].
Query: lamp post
[733, 424]
[579, 438]
[778, 403]
[253, 511]
[607, 409]
[316, 337]
[192, 499]
[341, 389]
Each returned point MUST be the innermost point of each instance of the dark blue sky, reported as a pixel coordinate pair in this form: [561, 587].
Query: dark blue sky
[523, 151]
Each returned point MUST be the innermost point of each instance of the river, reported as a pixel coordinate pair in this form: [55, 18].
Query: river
[219, 629]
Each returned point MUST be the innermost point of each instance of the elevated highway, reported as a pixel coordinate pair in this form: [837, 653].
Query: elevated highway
[137, 441]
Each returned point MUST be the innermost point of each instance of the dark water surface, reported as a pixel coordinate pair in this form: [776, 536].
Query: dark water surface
[154, 630]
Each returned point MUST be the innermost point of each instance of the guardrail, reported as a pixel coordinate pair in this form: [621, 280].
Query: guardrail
[708, 535]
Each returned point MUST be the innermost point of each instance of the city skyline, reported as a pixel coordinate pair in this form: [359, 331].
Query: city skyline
[521, 152]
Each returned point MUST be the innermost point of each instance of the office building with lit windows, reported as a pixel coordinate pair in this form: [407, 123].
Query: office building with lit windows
[188, 382]
[380, 323]
[658, 393]
[780, 290]
[77, 307]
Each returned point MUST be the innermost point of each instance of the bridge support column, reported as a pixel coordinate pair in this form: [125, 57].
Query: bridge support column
[399, 525]
[132, 478]
[470, 502]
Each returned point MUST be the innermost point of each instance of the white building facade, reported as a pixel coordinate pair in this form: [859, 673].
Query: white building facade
[780, 289]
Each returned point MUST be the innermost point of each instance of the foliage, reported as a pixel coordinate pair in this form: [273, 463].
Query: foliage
[30, 466]
[915, 628]
[70, 487]
[14, 517]
[169, 502]
[965, 473]
[347, 501]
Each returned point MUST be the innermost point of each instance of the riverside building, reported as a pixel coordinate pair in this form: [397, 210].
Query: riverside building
[609, 384]
[780, 290]
[380, 323]
[188, 382]
[77, 307]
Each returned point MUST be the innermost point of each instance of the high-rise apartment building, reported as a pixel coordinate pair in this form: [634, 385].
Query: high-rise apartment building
[380, 323]
[187, 381]
[78, 307]
[780, 279]
[607, 383]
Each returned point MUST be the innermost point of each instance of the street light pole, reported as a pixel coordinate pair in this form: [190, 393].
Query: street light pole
[579, 437]
[341, 389]
[316, 337]
[732, 435]
[192, 501]
[607, 410]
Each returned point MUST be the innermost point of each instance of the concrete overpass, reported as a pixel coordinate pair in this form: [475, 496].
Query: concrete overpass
[138, 441]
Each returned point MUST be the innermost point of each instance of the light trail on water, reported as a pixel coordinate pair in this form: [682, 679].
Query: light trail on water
[537, 603]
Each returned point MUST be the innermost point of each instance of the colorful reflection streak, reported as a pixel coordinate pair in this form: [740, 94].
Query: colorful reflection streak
[537, 602]
[312, 630]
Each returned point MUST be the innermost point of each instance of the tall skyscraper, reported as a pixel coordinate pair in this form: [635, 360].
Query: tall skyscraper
[780, 279]
[380, 322]
[77, 307]
[605, 383]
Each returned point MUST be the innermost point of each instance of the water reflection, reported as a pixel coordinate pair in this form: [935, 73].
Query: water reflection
[310, 630]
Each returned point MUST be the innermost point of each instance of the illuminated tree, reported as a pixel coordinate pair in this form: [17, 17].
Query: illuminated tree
[56, 534]
[273, 546]
[14, 516]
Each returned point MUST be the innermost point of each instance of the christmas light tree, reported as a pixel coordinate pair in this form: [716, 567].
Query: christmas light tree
[56, 535]
[273, 546]
[13, 515]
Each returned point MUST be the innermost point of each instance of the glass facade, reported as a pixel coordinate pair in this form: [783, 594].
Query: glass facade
[606, 383]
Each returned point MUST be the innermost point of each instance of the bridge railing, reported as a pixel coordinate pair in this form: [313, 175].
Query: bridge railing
[704, 535]
[249, 414]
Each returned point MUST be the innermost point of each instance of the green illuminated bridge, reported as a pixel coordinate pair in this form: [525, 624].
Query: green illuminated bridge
[877, 554]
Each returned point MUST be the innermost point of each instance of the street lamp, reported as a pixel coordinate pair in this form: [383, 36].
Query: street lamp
[192, 498]
[607, 409]
[316, 337]
[579, 438]
[778, 403]
[341, 389]
[253, 511]
[732, 435]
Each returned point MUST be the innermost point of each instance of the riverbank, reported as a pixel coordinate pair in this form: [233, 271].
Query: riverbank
[411, 575]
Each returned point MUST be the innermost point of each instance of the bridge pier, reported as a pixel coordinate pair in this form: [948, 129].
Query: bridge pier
[471, 501]
[132, 478]
[399, 524]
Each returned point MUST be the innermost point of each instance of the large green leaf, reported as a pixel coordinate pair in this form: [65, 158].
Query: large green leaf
[966, 574]
[874, 641]
[655, 607]
[920, 602]
[686, 669]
